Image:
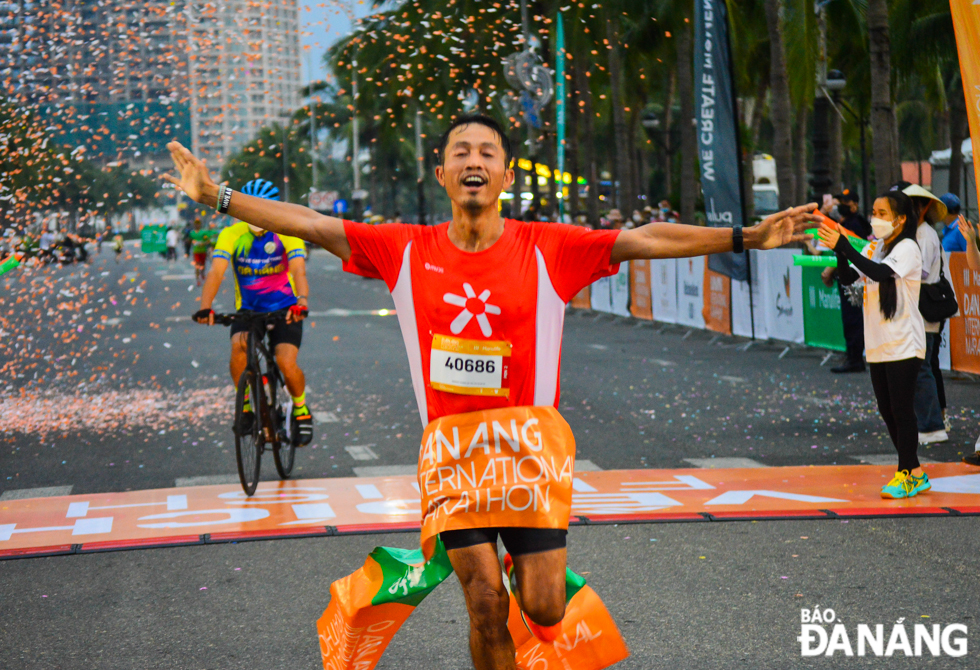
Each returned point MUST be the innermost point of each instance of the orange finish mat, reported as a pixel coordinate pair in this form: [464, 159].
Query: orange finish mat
[310, 507]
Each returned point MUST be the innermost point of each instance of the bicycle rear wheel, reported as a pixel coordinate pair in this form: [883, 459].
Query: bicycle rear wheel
[284, 453]
[248, 443]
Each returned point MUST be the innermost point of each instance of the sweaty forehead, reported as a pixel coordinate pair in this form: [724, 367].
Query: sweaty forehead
[474, 134]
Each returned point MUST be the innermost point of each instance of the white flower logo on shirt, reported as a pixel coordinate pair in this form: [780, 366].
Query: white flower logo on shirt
[472, 305]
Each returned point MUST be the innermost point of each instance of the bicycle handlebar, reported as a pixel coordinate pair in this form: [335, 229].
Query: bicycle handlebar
[250, 317]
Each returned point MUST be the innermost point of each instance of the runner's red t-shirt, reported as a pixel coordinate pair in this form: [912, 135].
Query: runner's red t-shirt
[513, 292]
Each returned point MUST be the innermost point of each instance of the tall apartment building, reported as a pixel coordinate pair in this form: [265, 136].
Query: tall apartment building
[109, 75]
[244, 71]
[124, 77]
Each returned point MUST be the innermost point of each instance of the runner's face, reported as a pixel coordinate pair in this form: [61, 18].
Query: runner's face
[473, 170]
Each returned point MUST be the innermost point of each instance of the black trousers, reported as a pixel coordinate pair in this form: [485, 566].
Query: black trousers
[853, 318]
[894, 386]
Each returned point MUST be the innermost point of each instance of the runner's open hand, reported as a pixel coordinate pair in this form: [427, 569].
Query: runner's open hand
[194, 179]
[968, 230]
[782, 228]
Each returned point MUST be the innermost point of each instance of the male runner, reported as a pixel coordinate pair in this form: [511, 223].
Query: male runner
[270, 275]
[200, 245]
[496, 282]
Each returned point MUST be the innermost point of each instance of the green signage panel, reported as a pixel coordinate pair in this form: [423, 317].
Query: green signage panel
[822, 325]
[153, 239]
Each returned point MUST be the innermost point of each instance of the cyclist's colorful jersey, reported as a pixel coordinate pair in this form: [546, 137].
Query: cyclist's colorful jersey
[482, 330]
[261, 265]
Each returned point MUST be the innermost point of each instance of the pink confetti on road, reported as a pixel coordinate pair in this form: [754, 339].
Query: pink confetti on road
[50, 413]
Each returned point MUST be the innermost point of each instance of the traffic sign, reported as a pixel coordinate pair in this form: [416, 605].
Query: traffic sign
[339, 206]
[322, 201]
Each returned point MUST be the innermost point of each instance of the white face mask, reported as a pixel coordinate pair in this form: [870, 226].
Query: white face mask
[881, 228]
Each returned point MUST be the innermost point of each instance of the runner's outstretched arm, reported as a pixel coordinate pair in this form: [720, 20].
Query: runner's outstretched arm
[675, 240]
[279, 217]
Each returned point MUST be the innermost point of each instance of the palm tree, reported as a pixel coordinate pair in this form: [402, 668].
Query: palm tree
[883, 125]
[781, 109]
[622, 172]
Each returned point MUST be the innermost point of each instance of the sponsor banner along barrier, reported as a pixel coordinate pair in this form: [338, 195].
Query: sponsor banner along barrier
[822, 325]
[717, 302]
[663, 287]
[790, 302]
[195, 515]
[641, 295]
[690, 291]
[964, 328]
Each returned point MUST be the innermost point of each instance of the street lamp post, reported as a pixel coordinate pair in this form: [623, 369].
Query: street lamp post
[357, 195]
[285, 116]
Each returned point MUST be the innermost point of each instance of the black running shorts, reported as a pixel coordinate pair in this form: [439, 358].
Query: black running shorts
[517, 541]
[281, 333]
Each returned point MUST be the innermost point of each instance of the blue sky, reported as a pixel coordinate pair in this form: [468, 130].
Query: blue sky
[323, 22]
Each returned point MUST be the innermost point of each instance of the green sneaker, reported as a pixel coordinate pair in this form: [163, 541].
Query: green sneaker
[899, 487]
[919, 484]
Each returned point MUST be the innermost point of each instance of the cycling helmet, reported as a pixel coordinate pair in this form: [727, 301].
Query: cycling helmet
[261, 188]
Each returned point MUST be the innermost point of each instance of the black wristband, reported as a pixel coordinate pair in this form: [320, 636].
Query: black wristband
[224, 199]
[738, 242]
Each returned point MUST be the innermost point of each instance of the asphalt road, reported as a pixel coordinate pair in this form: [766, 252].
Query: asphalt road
[147, 399]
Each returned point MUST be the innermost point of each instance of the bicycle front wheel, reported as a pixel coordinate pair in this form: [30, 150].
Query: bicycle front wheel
[248, 438]
[284, 453]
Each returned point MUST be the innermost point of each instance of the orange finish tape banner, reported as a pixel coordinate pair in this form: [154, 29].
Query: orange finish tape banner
[641, 298]
[966, 25]
[717, 309]
[589, 638]
[369, 606]
[511, 466]
[964, 329]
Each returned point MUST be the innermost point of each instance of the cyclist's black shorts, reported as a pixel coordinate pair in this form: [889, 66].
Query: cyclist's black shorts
[281, 333]
[517, 541]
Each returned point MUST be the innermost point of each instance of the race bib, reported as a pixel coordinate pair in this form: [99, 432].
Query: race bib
[470, 367]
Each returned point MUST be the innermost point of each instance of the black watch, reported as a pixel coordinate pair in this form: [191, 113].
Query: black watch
[738, 245]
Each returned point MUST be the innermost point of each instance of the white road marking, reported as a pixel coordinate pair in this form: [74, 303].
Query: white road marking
[361, 452]
[206, 480]
[724, 463]
[585, 465]
[176, 277]
[385, 470]
[369, 491]
[42, 492]
[325, 417]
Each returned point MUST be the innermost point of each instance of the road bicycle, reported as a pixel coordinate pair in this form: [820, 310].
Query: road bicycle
[262, 383]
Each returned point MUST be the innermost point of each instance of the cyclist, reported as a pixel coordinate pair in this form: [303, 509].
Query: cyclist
[270, 275]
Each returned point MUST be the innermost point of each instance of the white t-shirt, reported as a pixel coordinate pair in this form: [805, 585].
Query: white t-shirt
[903, 336]
[172, 238]
[931, 250]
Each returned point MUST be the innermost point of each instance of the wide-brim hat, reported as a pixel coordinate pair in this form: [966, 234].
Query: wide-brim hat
[614, 214]
[937, 209]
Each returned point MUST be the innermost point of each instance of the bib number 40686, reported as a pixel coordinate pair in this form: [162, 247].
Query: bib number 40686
[470, 365]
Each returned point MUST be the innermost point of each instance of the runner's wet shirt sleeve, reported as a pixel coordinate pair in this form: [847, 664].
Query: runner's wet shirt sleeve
[377, 251]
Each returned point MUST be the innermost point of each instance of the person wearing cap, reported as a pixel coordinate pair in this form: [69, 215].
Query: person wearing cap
[615, 218]
[953, 239]
[928, 396]
[852, 315]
